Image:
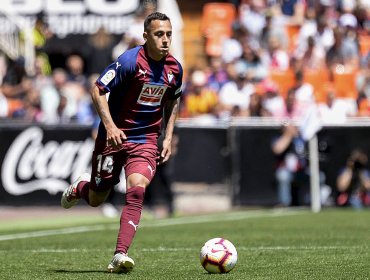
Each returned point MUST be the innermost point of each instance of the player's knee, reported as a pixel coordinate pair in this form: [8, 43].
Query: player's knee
[96, 198]
[137, 180]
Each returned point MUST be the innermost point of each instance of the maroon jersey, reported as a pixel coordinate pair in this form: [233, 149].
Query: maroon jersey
[138, 88]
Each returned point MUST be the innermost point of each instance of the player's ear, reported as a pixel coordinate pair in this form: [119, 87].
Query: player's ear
[145, 36]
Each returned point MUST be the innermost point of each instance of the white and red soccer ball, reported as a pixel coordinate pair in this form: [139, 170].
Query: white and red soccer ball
[218, 255]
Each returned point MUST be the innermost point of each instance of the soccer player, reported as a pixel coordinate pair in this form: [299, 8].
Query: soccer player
[144, 86]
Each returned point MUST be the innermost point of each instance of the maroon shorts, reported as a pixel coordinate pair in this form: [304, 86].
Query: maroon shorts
[133, 157]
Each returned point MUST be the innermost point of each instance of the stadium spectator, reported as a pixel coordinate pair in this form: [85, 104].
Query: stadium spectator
[200, 99]
[31, 110]
[251, 17]
[54, 101]
[42, 34]
[15, 85]
[151, 80]
[100, 46]
[273, 28]
[126, 42]
[291, 168]
[85, 113]
[312, 58]
[304, 92]
[75, 67]
[41, 77]
[335, 110]
[363, 85]
[291, 108]
[318, 29]
[293, 11]
[231, 48]
[235, 94]
[3, 66]
[353, 181]
[273, 101]
[135, 29]
[254, 61]
[256, 108]
[216, 74]
[344, 51]
[278, 57]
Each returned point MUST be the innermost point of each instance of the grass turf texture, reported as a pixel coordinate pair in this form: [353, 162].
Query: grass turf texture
[292, 244]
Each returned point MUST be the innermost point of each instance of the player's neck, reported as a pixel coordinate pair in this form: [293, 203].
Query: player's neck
[152, 55]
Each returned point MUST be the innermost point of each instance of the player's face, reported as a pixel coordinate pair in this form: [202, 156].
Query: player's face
[158, 38]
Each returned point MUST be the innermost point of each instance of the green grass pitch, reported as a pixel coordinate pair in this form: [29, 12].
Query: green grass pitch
[271, 244]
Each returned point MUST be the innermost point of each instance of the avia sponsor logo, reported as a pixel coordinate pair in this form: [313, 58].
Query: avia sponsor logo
[151, 94]
[30, 164]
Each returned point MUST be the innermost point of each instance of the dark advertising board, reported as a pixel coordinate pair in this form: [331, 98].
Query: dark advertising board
[38, 163]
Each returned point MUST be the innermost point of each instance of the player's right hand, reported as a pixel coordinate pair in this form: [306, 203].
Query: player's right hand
[115, 137]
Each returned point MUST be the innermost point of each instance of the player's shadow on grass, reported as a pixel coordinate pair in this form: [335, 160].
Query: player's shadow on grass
[83, 271]
[79, 271]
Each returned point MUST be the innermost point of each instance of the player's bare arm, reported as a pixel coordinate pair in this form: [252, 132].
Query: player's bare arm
[115, 136]
[170, 113]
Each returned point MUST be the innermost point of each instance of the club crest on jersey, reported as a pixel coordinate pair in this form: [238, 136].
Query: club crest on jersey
[151, 94]
[170, 76]
[108, 77]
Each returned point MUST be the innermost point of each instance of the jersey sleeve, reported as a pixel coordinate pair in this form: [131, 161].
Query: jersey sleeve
[178, 89]
[118, 73]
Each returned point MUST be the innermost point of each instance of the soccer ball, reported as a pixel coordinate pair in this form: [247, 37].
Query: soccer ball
[218, 255]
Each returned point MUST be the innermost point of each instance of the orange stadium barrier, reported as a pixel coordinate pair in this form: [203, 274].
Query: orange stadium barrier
[216, 25]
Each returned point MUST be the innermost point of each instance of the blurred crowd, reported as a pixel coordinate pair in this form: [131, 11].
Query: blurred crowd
[61, 95]
[282, 58]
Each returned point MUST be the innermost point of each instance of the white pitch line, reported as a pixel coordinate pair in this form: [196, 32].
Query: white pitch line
[159, 223]
[44, 233]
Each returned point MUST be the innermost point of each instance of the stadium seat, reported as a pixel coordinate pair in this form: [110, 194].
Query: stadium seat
[14, 105]
[318, 79]
[293, 32]
[284, 79]
[345, 83]
[364, 42]
[216, 25]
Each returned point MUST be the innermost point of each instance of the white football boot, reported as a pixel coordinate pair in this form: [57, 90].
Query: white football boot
[69, 198]
[121, 263]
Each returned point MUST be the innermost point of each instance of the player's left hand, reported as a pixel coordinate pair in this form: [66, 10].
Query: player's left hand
[166, 152]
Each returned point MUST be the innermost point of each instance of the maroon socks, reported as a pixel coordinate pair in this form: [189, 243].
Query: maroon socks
[83, 190]
[130, 218]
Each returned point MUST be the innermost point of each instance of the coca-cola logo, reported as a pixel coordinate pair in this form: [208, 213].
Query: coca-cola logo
[30, 164]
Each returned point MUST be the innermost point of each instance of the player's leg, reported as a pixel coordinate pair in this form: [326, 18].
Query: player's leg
[284, 179]
[129, 222]
[140, 169]
[95, 189]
